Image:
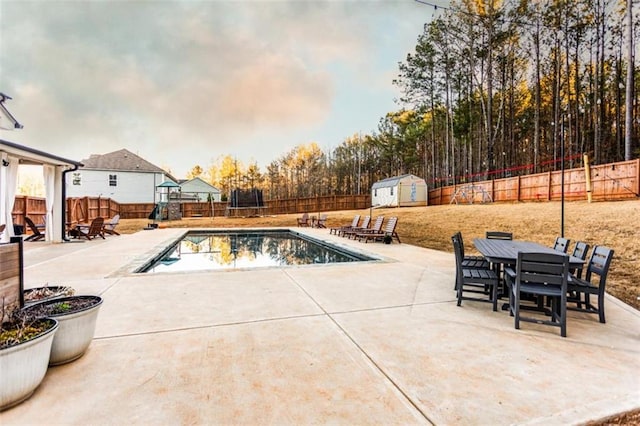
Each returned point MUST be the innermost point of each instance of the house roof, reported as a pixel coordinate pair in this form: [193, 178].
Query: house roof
[122, 160]
[393, 181]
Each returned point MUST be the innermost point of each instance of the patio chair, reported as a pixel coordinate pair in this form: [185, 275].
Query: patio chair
[36, 233]
[322, 221]
[90, 231]
[376, 227]
[471, 261]
[364, 225]
[579, 251]
[474, 280]
[109, 227]
[539, 275]
[389, 230]
[594, 283]
[499, 235]
[304, 220]
[561, 244]
[338, 230]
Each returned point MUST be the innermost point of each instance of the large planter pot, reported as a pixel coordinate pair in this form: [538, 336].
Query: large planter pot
[23, 366]
[77, 325]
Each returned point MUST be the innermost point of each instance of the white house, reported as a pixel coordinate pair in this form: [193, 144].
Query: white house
[120, 175]
[197, 189]
[399, 191]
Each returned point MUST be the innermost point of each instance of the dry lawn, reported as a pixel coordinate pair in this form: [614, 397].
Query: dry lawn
[613, 224]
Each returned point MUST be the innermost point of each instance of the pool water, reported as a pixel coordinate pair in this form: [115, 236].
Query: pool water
[225, 250]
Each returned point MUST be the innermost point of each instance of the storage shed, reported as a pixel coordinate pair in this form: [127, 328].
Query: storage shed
[399, 191]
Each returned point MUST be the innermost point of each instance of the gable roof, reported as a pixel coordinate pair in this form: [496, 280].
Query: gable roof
[198, 181]
[122, 160]
[393, 181]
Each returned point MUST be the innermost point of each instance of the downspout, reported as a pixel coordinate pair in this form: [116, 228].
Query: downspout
[64, 202]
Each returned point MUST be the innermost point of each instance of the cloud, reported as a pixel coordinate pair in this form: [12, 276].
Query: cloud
[211, 78]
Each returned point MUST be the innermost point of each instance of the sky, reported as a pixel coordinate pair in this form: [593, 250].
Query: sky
[182, 83]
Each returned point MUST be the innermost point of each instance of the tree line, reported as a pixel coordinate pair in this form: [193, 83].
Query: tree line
[493, 89]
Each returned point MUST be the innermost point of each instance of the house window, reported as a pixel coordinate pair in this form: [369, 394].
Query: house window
[392, 190]
[76, 179]
[113, 180]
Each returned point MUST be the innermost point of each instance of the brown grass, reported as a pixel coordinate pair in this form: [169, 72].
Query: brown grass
[613, 224]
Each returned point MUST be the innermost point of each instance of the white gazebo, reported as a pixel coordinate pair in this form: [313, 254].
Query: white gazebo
[54, 169]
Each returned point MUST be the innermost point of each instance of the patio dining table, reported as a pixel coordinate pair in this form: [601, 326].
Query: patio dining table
[505, 252]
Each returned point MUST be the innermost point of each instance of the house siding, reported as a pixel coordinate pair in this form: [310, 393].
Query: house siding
[132, 187]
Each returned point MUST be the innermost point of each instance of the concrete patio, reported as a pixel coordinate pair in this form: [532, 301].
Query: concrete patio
[370, 343]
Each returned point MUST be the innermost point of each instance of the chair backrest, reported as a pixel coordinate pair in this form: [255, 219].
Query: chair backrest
[305, 216]
[550, 269]
[579, 251]
[561, 244]
[499, 235]
[354, 222]
[599, 263]
[96, 226]
[365, 222]
[457, 250]
[322, 219]
[390, 227]
[458, 236]
[112, 223]
[31, 225]
[377, 225]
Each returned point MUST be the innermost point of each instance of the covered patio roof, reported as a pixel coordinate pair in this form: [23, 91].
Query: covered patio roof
[54, 169]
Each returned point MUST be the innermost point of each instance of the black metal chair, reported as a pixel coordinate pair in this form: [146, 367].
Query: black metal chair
[561, 244]
[499, 235]
[541, 275]
[474, 280]
[594, 283]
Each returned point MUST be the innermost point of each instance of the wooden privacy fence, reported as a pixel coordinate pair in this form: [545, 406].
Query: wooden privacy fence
[613, 181]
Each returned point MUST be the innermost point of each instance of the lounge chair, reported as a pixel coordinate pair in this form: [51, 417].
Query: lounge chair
[364, 225]
[90, 231]
[377, 227]
[109, 227]
[37, 234]
[304, 220]
[338, 230]
[389, 230]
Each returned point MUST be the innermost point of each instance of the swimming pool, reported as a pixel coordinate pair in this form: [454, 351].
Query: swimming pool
[243, 249]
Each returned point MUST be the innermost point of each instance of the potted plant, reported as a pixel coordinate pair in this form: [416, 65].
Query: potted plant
[39, 294]
[25, 346]
[77, 317]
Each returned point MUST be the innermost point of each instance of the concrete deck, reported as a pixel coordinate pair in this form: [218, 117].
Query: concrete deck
[375, 343]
